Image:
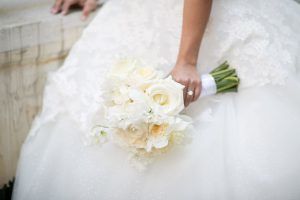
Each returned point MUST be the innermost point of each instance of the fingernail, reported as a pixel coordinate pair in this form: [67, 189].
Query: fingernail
[83, 17]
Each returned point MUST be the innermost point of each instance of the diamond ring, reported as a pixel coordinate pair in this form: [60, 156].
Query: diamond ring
[190, 93]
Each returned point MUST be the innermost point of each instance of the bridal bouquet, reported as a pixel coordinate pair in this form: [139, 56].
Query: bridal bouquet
[143, 109]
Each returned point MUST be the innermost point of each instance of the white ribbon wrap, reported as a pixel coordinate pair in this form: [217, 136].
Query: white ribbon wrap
[209, 86]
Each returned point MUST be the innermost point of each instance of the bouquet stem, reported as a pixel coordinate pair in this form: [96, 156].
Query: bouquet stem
[222, 79]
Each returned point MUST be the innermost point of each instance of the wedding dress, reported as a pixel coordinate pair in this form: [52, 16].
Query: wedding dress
[246, 144]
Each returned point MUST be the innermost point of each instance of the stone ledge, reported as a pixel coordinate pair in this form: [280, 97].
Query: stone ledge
[30, 33]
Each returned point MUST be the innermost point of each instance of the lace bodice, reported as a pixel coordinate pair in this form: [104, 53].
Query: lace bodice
[256, 37]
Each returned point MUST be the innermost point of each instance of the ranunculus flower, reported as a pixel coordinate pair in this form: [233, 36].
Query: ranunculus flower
[166, 95]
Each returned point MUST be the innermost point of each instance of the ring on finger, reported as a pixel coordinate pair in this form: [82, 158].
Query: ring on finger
[190, 92]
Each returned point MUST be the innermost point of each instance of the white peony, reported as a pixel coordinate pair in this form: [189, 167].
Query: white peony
[166, 96]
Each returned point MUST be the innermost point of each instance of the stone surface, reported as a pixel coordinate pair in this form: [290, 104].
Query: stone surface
[33, 42]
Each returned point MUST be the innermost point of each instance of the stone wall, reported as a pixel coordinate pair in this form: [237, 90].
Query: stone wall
[32, 43]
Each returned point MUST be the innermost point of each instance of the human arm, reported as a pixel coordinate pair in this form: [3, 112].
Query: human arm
[195, 17]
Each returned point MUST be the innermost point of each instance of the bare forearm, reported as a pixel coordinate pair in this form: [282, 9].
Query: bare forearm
[195, 17]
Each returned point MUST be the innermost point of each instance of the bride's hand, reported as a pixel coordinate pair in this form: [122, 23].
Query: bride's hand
[64, 6]
[187, 75]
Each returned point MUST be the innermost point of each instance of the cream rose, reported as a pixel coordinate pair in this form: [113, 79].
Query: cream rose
[145, 73]
[123, 68]
[141, 75]
[167, 96]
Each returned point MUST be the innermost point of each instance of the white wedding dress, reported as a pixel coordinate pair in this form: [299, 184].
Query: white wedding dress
[246, 144]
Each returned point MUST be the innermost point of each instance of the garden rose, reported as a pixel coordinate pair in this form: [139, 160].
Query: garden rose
[123, 68]
[167, 96]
